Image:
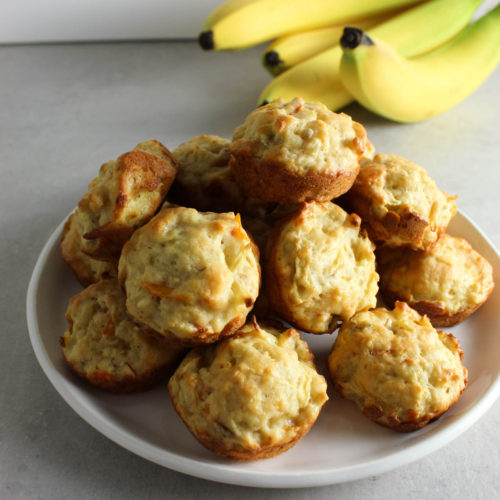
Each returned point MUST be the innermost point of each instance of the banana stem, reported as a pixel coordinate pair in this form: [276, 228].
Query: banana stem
[354, 37]
[272, 59]
[206, 40]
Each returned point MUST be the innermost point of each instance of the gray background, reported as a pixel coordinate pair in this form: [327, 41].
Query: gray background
[65, 109]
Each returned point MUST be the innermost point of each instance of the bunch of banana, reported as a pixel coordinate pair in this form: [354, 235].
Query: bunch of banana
[413, 32]
[410, 90]
[305, 56]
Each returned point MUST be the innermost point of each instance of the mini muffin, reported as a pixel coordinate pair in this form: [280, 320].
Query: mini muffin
[447, 283]
[205, 181]
[396, 367]
[251, 396]
[320, 267]
[124, 196]
[190, 276]
[105, 347]
[85, 268]
[400, 203]
[296, 151]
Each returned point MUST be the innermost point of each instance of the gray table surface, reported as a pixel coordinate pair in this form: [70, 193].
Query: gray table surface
[65, 109]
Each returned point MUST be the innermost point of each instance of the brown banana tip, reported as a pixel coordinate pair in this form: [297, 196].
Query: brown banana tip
[206, 40]
[272, 59]
[353, 37]
[263, 103]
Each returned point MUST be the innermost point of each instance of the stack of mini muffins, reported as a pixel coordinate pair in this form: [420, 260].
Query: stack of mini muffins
[170, 248]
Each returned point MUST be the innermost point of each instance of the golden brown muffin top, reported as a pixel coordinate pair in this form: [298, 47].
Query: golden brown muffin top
[324, 266]
[256, 389]
[395, 363]
[101, 338]
[452, 274]
[400, 202]
[190, 273]
[204, 178]
[201, 156]
[124, 195]
[305, 136]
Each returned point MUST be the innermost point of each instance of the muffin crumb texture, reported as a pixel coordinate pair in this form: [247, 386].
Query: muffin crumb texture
[447, 283]
[400, 203]
[251, 396]
[190, 276]
[105, 347]
[321, 267]
[396, 367]
[289, 152]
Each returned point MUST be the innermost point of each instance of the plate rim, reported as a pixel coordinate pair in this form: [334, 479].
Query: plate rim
[227, 473]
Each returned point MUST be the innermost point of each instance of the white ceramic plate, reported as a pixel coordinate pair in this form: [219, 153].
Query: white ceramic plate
[342, 446]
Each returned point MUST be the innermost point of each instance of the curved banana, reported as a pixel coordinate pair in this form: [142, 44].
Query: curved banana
[413, 32]
[222, 11]
[292, 49]
[414, 90]
[260, 20]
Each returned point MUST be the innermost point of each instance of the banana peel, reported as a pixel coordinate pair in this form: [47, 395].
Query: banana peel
[412, 90]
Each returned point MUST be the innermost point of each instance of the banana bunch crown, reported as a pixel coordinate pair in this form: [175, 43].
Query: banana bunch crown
[406, 60]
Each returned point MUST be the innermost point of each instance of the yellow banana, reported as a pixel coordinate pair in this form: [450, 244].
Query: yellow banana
[290, 50]
[411, 33]
[222, 11]
[414, 90]
[260, 20]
